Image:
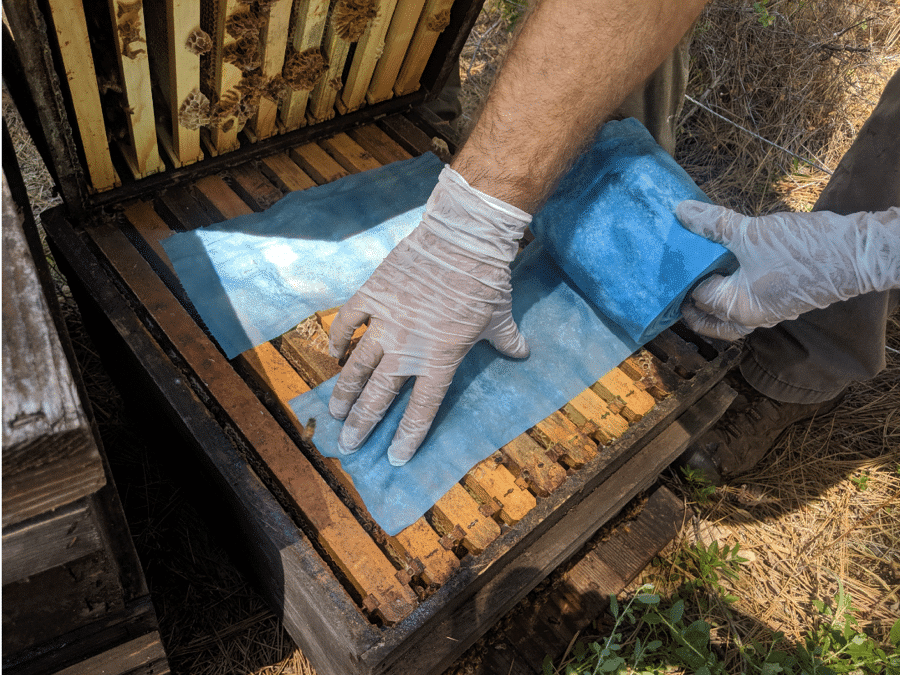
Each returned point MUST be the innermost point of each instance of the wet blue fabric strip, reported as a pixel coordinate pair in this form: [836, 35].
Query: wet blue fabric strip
[255, 277]
[607, 239]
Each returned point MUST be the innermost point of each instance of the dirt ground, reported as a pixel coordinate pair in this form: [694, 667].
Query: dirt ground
[820, 510]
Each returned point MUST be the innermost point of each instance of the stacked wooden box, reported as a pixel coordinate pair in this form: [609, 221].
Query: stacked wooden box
[74, 598]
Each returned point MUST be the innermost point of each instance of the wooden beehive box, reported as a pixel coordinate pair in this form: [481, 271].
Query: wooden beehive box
[354, 599]
[74, 597]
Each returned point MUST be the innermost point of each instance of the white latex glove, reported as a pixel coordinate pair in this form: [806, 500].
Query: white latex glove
[790, 263]
[442, 289]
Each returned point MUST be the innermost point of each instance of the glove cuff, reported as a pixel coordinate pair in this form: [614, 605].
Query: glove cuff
[472, 220]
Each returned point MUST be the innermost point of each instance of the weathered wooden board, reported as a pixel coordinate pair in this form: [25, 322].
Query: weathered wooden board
[49, 455]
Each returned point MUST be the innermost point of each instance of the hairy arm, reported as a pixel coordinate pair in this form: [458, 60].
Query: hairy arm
[572, 64]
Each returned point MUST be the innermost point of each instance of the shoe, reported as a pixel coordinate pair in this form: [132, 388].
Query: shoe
[746, 432]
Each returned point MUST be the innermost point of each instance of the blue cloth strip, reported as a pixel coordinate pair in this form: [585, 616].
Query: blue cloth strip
[607, 239]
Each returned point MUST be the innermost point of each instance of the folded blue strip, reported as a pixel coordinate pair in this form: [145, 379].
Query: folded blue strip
[254, 277]
[611, 226]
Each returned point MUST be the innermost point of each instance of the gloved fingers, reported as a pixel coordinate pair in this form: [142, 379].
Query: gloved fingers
[711, 326]
[354, 375]
[348, 319]
[371, 405]
[427, 394]
[715, 295]
[505, 337]
[712, 222]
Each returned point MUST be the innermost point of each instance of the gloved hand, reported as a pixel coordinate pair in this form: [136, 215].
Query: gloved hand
[790, 263]
[442, 289]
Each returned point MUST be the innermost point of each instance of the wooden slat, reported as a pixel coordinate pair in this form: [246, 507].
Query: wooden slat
[617, 387]
[254, 187]
[435, 17]
[322, 98]
[181, 81]
[368, 52]
[339, 533]
[595, 409]
[650, 372]
[224, 77]
[528, 461]
[273, 41]
[680, 356]
[564, 441]
[612, 560]
[180, 210]
[75, 48]
[457, 509]
[378, 144]
[320, 166]
[422, 544]
[349, 154]
[309, 25]
[314, 366]
[133, 656]
[491, 481]
[406, 134]
[214, 192]
[400, 33]
[282, 171]
[142, 153]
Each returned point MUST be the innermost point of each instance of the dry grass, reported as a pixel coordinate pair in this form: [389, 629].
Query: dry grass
[805, 82]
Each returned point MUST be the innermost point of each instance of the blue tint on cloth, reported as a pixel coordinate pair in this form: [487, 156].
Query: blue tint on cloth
[611, 226]
[611, 220]
[255, 277]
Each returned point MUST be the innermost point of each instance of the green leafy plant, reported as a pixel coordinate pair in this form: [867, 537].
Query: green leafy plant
[762, 13]
[700, 487]
[652, 635]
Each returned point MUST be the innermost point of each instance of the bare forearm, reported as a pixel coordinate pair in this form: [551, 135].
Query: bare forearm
[572, 64]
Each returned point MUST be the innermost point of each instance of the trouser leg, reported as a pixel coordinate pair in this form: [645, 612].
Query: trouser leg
[658, 102]
[814, 357]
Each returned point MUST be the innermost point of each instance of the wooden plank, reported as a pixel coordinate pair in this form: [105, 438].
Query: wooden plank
[282, 171]
[406, 134]
[403, 25]
[75, 48]
[490, 481]
[378, 144]
[142, 152]
[155, 228]
[61, 536]
[680, 356]
[435, 17]
[49, 455]
[364, 565]
[128, 657]
[368, 52]
[323, 96]
[651, 373]
[595, 409]
[173, 38]
[253, 187]
[422, 544]
[564, 441]
[349, 154]
[70, 596]
[308, 27]
[320, 166]
[457, 509]
[314, 366]
[612, 560]
[527, 461]
[224, 76]
[180, 210]
[213, 191]
[273, 37]
[616, 385]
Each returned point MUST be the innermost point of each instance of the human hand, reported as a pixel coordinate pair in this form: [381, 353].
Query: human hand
[442, 289]
[790, 263]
